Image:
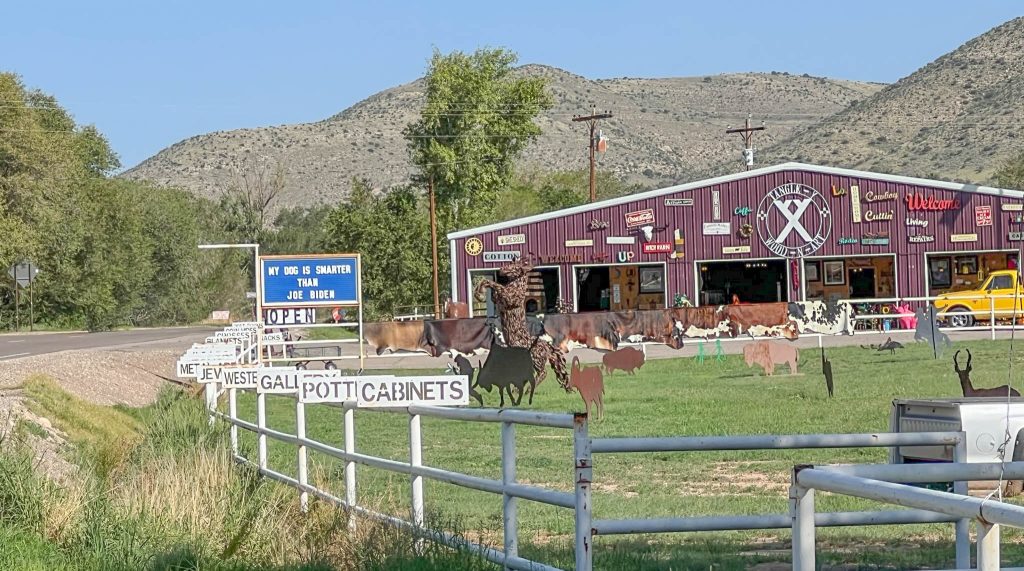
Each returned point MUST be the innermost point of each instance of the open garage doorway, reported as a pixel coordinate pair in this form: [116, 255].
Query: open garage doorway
[752, 281]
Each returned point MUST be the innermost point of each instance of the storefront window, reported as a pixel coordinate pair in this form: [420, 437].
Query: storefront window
[938, 273]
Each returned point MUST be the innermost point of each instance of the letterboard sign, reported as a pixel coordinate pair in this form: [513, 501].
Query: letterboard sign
[314, 280]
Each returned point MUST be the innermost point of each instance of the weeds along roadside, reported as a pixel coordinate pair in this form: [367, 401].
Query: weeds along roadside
[157, 489]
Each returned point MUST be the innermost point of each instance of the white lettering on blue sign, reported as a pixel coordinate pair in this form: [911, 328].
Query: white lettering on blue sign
[315, 280]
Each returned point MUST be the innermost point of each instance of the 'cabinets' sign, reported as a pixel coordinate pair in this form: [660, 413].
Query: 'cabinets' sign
[511, 239]
[963, 238]
[920, 202]
[736, 250]
[509, 256]
[983, 215]
[310, 280]
[578, 243]
[289, 316]
[717, 228]
[678, 202]
[657, 248]
[794, 220]
[639, 218]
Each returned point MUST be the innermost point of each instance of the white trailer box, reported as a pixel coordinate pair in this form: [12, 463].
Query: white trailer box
[983, 420]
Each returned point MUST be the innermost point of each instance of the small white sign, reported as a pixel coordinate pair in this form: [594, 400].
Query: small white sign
[736, 249]
[717, 228]
[273, 338]
[277, 380]
[290, 316]
[620, 240]
[220, 315]
[511, 239]
[716, 206]
[509, 256]
[963, 237]
[855, 203]
[229, 377]
[1012, 207]
[327, 386]
[578, 243]
[441, 390]
[678, 202]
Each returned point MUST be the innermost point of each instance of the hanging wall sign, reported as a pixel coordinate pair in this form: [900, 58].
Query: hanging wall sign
[880, 196]
[717, 228]
[983, 215]
[624, 257]
[599, 257]
[793, 220]
[560, 258]
[963, 237]
[1015, 236]
[917, 222]
[847, 240]
[678, 243]
[746, 231]
[620, 240]
[716, 205]
[1012, 207]
[922, 202]
[736, 249]
[883, 216]
[678, 202]
[921, 239]
[874, 240]
[474, 246]
[509, 256]
[656, 248]
[596, 224]
[855, 203]
[511, 239]
[838, 191]
[741, 211]
[639, 218]
[578, 243]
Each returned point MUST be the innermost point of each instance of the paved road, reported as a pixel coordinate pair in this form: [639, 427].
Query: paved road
[15, 345]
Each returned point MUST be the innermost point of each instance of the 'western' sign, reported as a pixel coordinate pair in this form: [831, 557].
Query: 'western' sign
[329, 280]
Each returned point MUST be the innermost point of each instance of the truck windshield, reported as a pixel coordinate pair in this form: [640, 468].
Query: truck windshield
[1000, 282]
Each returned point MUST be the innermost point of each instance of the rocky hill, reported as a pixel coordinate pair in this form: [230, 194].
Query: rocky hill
[664, 131]
[956, 118]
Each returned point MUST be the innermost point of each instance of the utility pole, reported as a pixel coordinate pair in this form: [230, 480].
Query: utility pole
[747, 134]
[592, 120]
[433, 245]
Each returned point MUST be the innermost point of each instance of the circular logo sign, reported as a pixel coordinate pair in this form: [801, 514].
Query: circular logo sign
[793, 220]
[474, 246]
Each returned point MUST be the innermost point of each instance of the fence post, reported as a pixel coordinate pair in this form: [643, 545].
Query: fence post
[962, 527]
[801, 512]
[992, 315]
[508, 503]
[233, 414]
[821, 341]
[350, 466]
[988, 546]
[261, 423]
[583, 475]
[211, 400]
[300, 432]
[416, 460]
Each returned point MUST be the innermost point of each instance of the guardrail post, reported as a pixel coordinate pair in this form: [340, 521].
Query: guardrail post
[583, 474]
[508, 503]
[801, 512]
[992, 315]
[350, 466]
[233, 414]
[261, 423]
[988, 546]
[416, 460]
[300, 432]
[962, 527]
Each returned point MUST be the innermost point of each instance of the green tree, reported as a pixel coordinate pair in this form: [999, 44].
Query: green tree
[534, 192]
[1011, 173]
[392, 233]
[298, 230]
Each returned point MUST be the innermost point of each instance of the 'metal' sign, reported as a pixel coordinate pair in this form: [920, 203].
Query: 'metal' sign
[296, 281]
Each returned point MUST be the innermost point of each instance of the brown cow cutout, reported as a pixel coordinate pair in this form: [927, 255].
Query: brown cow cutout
[627, 359]
[768, 354]
[590, 384]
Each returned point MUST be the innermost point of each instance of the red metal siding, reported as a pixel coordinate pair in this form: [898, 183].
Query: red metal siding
[548, 237]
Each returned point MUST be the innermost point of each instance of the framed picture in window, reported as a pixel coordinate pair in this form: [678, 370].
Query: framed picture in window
[812, 271]
[966, 265]
[939, 275]
[652, 280]
[835, 272]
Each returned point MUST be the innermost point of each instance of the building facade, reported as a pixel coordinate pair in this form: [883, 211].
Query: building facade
[782, 233]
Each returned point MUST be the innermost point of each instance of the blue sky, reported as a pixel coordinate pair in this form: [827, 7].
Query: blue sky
[150, 74]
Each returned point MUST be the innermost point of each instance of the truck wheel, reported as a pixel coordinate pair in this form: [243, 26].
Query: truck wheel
[958, 317]
[330, 366]
[1015, 487]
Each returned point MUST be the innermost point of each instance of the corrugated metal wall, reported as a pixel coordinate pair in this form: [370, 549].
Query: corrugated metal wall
[548, 238]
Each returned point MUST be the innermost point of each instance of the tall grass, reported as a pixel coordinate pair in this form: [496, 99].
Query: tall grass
[159, 490]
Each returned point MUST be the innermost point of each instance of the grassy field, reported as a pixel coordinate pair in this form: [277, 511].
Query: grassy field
[671, 397]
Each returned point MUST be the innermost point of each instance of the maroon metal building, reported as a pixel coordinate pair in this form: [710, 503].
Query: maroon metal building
[782, 233]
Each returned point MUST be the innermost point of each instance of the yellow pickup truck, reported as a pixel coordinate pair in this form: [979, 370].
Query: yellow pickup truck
[1004, 287]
